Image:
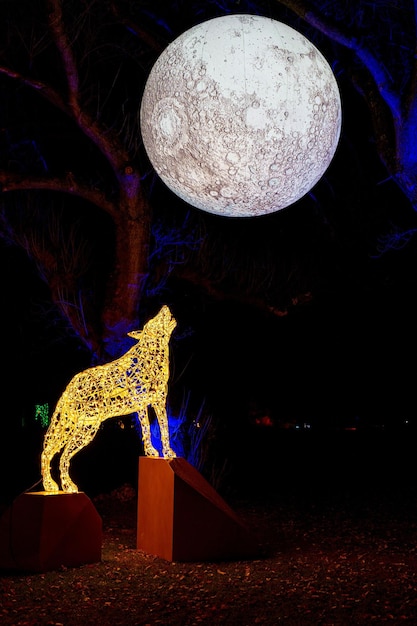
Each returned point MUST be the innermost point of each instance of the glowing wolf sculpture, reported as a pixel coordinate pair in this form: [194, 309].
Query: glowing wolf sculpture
[131, 384]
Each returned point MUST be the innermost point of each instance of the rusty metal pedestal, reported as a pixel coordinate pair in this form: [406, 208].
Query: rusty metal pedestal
[182, 518]
[43, 531]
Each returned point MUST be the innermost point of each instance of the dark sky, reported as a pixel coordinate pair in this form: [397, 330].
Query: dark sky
[349, 351]
[344, 357]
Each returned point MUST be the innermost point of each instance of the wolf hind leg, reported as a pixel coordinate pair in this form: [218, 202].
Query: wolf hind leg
[48, 482]
[82, 436]
[53, 443]
[143, 418]
[51, 446]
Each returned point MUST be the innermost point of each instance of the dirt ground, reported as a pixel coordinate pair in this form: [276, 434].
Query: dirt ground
[322, 562]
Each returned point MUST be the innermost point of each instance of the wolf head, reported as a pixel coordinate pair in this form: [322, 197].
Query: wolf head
[162, 324]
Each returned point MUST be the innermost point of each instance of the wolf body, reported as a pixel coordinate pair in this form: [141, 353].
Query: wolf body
[130, 384]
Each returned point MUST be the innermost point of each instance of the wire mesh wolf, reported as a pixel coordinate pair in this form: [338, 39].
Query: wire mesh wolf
[130, 384]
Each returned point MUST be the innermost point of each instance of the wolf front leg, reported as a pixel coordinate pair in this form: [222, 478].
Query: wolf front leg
[143, 418]
[161, 414]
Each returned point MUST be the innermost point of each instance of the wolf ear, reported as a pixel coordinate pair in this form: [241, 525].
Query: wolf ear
[135, 334]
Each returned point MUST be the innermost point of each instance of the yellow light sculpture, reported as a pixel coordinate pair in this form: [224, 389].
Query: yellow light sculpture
[130, 384]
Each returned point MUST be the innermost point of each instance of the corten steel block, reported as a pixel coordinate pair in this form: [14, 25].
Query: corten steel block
[182, 518]
[41, 531]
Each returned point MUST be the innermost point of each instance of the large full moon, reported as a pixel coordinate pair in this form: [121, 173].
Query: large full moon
[241, 116]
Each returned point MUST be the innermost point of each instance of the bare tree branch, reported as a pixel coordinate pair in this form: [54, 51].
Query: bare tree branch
[16, 182]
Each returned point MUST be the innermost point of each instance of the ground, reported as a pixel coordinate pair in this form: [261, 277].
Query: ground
[323, 561]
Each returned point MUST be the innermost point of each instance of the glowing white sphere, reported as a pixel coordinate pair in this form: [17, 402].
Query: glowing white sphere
[241, 116]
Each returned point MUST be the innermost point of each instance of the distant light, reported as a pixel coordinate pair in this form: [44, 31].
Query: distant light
[241, 116]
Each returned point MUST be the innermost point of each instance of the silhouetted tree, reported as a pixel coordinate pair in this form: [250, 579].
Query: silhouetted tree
[376, 45]
[76, 185]
[72, 76]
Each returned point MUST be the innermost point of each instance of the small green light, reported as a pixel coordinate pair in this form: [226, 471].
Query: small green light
[42, 414]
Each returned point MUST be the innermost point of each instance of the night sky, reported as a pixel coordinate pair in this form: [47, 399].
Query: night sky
[344, 357]
[347, 352]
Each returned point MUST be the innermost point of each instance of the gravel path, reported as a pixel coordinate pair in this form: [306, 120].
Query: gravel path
[321, 564]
